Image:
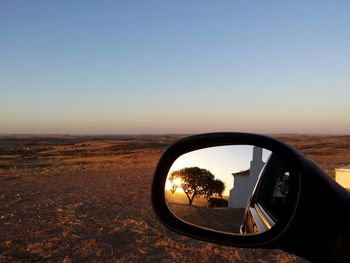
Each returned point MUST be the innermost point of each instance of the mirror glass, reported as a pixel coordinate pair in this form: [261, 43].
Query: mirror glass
[239, 189]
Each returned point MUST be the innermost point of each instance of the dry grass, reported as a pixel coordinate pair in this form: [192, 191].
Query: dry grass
[329, 152]
[86, 199]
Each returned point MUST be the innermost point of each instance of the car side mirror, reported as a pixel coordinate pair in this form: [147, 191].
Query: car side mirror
[240, 188]
[249, 190]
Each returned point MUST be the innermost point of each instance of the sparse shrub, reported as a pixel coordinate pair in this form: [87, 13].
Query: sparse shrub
[217, 202]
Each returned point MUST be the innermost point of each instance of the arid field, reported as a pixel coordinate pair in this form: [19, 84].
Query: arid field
[87, 199]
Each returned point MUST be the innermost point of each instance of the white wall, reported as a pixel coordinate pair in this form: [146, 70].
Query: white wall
[243, 185]
[239, 194]
[342, 176]
[255, 168]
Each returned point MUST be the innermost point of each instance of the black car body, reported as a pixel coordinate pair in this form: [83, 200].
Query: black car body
[269, 197]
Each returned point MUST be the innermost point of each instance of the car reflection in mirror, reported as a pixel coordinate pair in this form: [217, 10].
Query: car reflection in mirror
[269, 198]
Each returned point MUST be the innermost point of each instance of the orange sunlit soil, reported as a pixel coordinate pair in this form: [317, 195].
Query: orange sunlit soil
[86, 199]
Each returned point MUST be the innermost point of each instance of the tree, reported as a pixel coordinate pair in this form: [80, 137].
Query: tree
[196, 182]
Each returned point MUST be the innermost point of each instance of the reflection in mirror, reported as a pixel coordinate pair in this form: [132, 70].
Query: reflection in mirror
[219, 188]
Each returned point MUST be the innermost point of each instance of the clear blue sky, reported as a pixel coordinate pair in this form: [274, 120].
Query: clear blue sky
[174, 66]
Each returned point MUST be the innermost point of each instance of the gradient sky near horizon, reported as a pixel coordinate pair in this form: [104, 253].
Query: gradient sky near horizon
[221, 161]
[174, 66]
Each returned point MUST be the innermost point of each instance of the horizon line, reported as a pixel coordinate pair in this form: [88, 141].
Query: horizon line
[168, 134]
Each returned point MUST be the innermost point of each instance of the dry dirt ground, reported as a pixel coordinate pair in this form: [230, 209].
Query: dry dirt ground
[87, 199]
[221, 219]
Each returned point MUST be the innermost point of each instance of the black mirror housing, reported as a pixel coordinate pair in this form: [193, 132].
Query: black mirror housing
[220, 139]
[304, 228]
